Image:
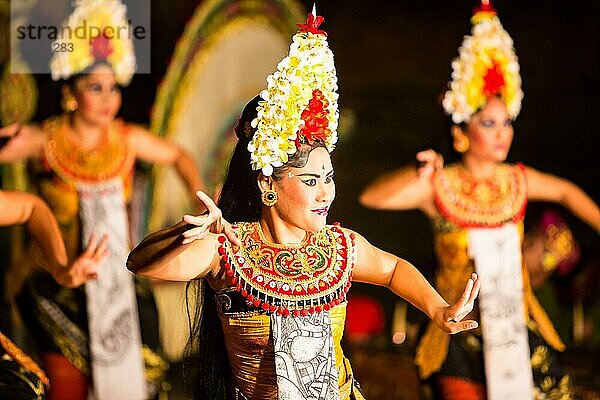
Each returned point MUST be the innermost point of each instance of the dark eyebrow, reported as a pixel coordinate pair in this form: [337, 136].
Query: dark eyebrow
[314, 175]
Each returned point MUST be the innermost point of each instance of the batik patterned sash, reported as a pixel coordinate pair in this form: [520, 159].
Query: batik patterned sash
[304, 358]
[114, 329]
[298, 285]
[497, 256]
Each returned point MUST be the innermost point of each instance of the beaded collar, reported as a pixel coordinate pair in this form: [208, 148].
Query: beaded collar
[468, 202]
[300, 279]
[114, 158]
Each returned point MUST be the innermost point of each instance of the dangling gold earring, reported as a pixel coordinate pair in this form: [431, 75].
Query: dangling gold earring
[461, 143]
[69, 103]
[269, 197]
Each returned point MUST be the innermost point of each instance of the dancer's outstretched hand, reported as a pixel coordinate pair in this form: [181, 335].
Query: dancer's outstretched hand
[85, 267]
[449, 319]
[211, 221]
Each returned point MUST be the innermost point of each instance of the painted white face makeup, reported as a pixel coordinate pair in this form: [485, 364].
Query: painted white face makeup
[305, 194]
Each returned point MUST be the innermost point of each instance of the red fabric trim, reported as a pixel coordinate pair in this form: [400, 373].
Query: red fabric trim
[521, 213]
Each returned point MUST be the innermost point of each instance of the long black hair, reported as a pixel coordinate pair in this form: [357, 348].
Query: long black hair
[240, 201]
[240, 197]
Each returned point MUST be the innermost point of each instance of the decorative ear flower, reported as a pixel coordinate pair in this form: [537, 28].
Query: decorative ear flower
[300, 102]
[106, 37]
[487, 66]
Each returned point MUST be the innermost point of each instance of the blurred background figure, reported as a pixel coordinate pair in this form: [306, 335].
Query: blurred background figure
[20, 377]
[83, 165]
[550, 248]
[476, 207]
[566, 282]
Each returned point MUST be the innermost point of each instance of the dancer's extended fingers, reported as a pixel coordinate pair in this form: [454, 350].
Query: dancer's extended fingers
[212, 208]
[90, 269]
[194, 232]
[189, 239]
[430, 158]
[198, 220]
[103, 245]
[464, 298]
[428, 165]
[91, 245]
[101, 256]
[476, 287]
[202, 235]
[465, 325]
[10, 130]
[426, 155]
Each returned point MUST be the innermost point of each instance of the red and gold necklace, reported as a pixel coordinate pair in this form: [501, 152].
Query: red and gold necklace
[114, 158]
[469, 202]
[301, 279]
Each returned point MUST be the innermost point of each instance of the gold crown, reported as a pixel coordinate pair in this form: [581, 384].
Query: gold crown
[486, 66]
[300, 102]
[104, 35]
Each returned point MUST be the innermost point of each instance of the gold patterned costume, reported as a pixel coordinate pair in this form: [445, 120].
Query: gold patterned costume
[464, 202]
[297, 281]
[250, 353]
[57, 316]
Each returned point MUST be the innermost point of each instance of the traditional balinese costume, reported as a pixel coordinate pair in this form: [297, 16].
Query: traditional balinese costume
[479, 229]
[284, 318]
[96, 327]
[283, 314]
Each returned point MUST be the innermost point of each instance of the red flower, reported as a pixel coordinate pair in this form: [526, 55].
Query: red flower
[312, 25]
[494, 81]
[315, 119]
[101, 47]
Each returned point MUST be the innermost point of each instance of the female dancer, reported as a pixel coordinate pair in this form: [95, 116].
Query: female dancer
[477, 206]
[83, 162]
[275, 298]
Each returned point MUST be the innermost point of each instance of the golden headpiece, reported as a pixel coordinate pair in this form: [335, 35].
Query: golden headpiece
[300, 102]
[96, 31]
[487, 66]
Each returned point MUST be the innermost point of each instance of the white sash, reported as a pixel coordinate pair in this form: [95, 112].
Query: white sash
[114, 329]
[497, 256]
[304, 357]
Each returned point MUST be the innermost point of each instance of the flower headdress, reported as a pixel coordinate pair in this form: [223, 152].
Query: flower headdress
[106, 37]
[487, 66]
[300, 102]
